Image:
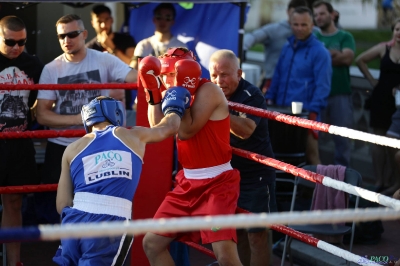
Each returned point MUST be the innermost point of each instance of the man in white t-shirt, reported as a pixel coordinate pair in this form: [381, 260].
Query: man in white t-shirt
[61, 109]
[158, 44]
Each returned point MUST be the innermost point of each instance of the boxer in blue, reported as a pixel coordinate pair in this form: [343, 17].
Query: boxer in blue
[100, 173]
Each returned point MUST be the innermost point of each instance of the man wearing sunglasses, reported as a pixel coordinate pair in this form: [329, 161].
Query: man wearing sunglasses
[16, 67]
[163, 19]
[60, 109]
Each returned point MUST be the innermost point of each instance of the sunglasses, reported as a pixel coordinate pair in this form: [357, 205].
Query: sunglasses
[71, 35]
[166, 18]
[12, 43]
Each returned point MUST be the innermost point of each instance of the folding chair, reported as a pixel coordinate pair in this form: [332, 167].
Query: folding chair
[352, 177]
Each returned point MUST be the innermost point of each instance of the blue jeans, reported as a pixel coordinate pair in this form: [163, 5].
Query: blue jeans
[339, 112]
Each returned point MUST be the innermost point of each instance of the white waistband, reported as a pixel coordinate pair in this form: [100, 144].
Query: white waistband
[102, 204]
[209, 172]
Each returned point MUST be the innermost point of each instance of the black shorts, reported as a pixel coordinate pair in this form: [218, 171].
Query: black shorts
[52, 163]
[18, 163]
[255, 200]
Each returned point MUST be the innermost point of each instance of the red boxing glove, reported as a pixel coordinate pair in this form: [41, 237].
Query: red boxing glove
[188, 74]
[313, 116]
[149, 73]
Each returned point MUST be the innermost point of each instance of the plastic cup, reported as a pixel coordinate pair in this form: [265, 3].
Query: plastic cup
[297, 107]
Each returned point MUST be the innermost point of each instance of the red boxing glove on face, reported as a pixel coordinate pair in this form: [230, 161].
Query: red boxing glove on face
[313, 116]
[188, 74]
[149, 73]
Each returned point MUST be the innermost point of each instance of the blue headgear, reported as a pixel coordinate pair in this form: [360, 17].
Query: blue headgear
[103, 109]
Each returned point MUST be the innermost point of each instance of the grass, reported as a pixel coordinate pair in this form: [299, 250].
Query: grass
[364, 39]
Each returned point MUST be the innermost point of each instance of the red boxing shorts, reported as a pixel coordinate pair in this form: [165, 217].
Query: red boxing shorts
[200, 197]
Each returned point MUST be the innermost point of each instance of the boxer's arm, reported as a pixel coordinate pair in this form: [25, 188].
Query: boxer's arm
[154, 114]
[208, 102]
[167, 127]
[65, 188]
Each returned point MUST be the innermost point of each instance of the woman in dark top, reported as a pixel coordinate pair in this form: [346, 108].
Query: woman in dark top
[382, 105]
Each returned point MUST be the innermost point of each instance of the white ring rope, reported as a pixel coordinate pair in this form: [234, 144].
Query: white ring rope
[368, 137]
[306, 123]
[363, 193]
[345, 254]
[184, 224]
[327, 181]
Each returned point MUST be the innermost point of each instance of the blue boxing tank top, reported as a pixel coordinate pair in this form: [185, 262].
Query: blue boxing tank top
[106, 166]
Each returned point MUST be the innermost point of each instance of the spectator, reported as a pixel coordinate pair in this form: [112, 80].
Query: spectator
[382, 104]
[207, 185]
[273, 36]
[163, 18]
[341, 45]
[303, 74]
[394, 154]
[388, 12]
[84, 195]
[248, 132]
[16, 67]
[121, 45]
[60, 109]
[336, 16]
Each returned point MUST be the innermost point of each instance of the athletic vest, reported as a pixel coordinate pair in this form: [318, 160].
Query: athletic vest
[209, 147]
[106, 166]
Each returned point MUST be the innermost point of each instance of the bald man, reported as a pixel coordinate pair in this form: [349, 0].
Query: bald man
[248, 132]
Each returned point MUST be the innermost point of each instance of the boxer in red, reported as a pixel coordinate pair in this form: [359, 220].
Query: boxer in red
[207, 185]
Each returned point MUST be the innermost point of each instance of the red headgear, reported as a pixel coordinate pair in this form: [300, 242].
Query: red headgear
[173, 55]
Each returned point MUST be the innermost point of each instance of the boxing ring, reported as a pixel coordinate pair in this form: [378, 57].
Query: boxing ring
[144, 223]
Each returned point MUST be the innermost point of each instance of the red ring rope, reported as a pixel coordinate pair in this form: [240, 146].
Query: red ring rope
[28, 189]
[42, 134]
[288, 168]
[79, 86]
[288, 119]
[288, 231]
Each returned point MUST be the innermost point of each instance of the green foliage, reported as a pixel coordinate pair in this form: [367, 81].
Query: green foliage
[372, 36]
[257, 48]
[365, 39]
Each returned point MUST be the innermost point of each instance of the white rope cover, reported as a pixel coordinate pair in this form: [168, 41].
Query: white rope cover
[137, 227]
[368, 137]
[364, 193]
[345, 254]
